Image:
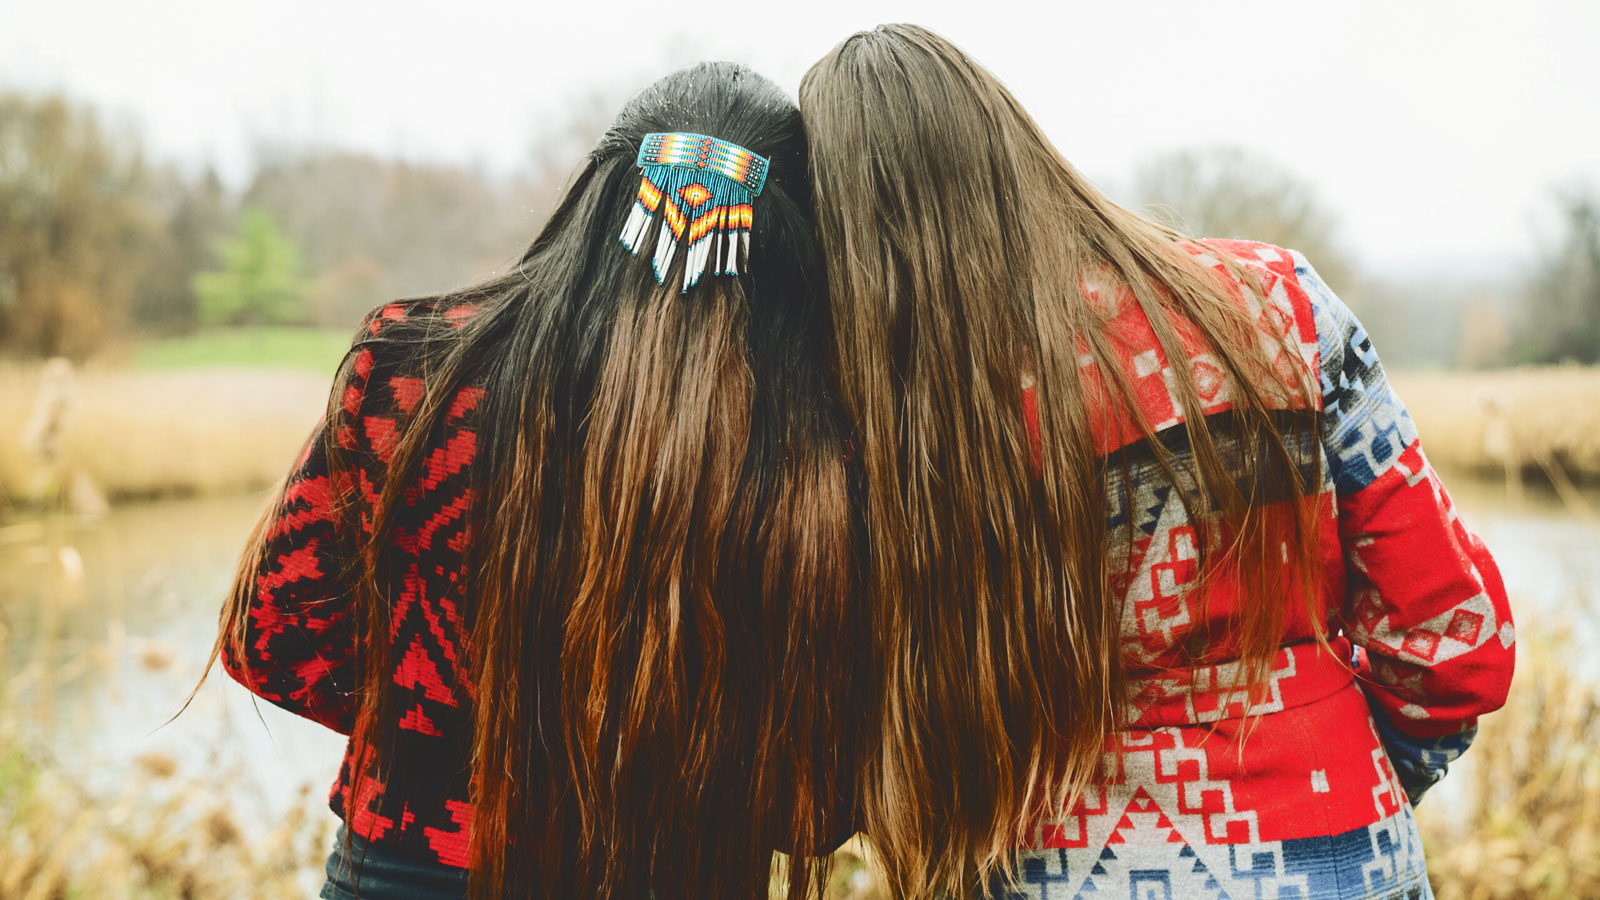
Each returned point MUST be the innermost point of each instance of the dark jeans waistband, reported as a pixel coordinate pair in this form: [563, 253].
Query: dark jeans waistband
[382, 874]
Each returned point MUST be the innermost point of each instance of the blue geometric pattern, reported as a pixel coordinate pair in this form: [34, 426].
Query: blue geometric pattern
[1365, 427]
[1186, 813]
[1381, 861]
[1141, 494]
[1420, 763]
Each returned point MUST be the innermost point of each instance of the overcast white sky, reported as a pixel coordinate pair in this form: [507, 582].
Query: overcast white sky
[1434, 130]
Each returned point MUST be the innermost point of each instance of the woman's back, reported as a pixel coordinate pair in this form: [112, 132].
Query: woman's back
[570, 557]
[1289, 787]
[1165, 591]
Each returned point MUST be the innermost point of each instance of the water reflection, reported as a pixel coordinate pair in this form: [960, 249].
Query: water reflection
[107, 627]
[1549, 555]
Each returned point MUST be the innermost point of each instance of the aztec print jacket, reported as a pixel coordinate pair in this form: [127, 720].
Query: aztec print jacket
[299, 639]
[1309, 797]
[1313, 805]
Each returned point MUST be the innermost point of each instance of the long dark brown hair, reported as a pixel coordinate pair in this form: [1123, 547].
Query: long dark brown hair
[659, 594]
[959, 245]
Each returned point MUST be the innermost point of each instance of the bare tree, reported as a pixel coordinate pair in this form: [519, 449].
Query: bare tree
[561, 142]
[1562, 312]
[1226, 192]
[75, 224]
[373, 229]
[196, 212]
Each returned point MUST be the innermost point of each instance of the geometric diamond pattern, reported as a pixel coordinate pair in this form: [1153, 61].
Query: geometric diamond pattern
[1306, 798]
[300, 634]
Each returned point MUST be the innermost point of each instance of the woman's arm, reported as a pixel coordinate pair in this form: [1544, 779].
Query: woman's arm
[291, 603]
[1424, 600]
[296, 635]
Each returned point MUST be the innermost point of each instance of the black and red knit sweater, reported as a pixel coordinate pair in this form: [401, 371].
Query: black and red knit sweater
[299, 636]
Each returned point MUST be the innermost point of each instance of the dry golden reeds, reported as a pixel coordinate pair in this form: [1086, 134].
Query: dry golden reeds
[1534, 420]
[134, 434]
[159, 839]
[161, 833]
[1526, 825]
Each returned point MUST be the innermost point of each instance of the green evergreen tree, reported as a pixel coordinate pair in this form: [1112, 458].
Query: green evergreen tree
[260, 283]
[194, 212]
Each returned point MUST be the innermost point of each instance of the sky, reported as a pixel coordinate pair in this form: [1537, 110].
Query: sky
[1436, 132]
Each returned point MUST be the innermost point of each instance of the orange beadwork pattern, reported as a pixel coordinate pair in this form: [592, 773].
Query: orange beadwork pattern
[715, 182]
[695, 194]
[649, 195]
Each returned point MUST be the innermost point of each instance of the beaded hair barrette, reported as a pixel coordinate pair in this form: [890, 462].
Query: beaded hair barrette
[701, 186]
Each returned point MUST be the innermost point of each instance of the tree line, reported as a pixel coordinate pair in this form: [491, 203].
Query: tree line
[98, 242]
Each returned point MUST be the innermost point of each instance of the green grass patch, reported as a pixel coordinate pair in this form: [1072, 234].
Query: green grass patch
[306, 349]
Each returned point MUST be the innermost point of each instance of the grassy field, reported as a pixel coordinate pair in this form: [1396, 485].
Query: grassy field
[1529, 826]
[129, 433]
[219, 411]
[201, 415]
[1537, 421]
[304, 349]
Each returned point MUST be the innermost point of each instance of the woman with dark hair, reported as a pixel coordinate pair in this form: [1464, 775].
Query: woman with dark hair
[569, 558]
[1168, 601]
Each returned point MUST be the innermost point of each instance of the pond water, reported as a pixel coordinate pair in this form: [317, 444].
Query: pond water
[132, 602]
[1549, 555]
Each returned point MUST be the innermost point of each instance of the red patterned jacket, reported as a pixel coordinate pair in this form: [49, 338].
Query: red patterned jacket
[1310, 797]
[299, 633]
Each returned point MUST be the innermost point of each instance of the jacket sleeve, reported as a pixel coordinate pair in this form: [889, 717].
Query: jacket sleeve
[1424, 601]
[299, 637]
[297, 642]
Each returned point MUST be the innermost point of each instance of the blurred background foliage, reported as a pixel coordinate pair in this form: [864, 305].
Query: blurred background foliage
[101, 247]
[260, 280]
[77, 222]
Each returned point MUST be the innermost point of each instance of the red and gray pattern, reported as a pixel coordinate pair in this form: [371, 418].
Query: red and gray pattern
[1310, 796]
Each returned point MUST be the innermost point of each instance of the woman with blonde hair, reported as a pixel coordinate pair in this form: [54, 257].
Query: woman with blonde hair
[1168, 602]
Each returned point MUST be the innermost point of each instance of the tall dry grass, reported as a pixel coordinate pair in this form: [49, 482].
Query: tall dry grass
[141, 434]
[165, 836]
[158, 828]
[1526, 822]
[1522, 420]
